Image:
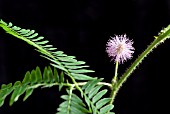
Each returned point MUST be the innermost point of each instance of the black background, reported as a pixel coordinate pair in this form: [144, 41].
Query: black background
[82, 28]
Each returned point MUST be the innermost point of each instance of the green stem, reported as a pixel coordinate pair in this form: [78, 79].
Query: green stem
[114, 80]
[114, 83]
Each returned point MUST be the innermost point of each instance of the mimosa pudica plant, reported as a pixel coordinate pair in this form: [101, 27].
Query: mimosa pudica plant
[70, 74]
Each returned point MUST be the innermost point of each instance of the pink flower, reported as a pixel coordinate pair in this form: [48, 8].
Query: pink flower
[120, 48]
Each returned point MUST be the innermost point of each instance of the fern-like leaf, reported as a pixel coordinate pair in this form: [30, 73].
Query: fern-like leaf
[72, 104]
[31, 81]
[94, 101]
[73, 68]
[94, 97]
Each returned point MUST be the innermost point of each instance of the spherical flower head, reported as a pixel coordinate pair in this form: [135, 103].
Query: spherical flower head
[120, 48]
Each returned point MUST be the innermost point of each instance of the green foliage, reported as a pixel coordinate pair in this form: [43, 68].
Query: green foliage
[31, 81]
[93, 97]
[72, 104]
[93, 102]
[90, 100]
[58, 59]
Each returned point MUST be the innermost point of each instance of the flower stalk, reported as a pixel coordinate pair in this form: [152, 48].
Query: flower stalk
[114, 80]
[114, 83]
